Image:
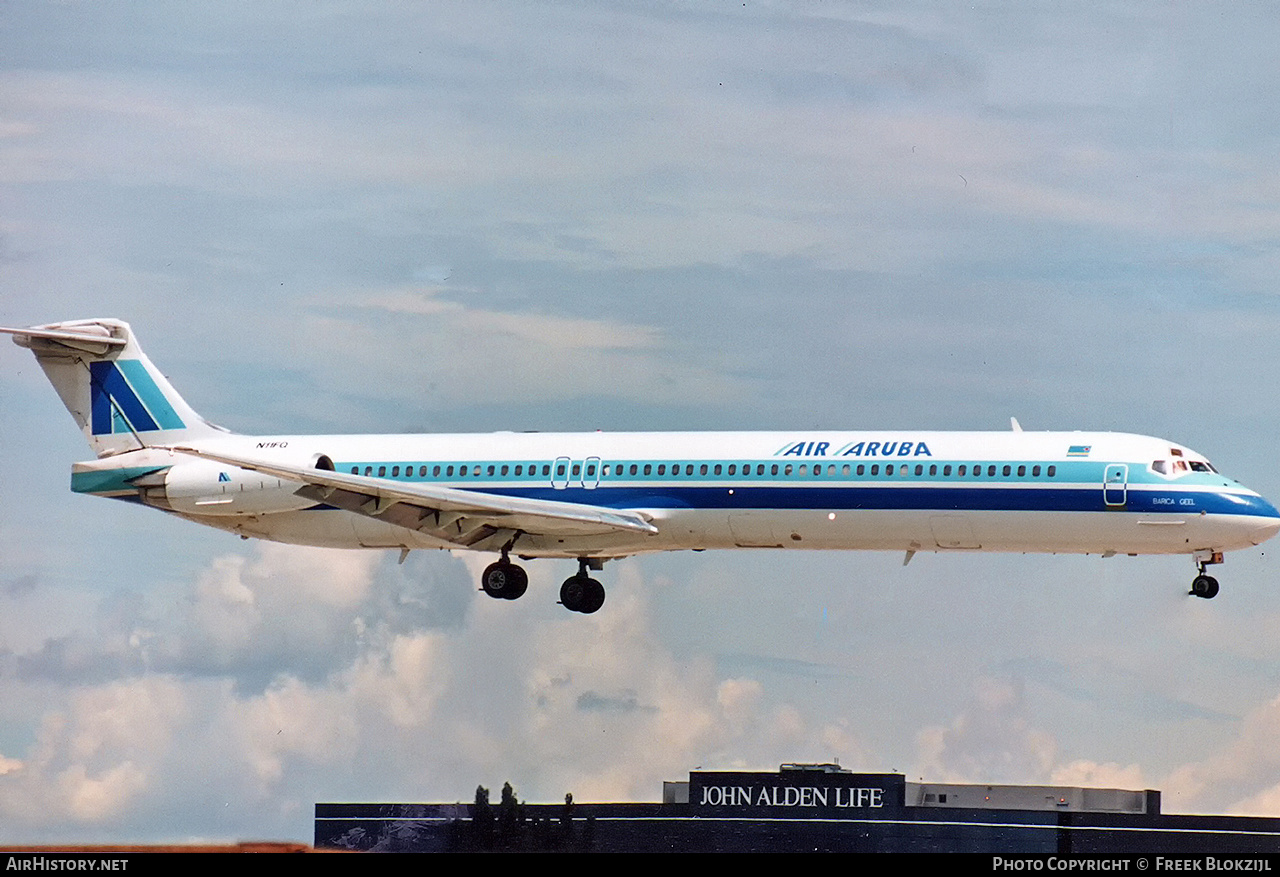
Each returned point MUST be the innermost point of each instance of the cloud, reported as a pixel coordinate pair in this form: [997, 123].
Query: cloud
[992, 740]
[1242, 775]
[453, 353]
[548, 701]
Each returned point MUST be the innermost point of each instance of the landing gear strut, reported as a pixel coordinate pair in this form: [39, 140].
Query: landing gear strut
[504, 580]
[581, 593]
[1204, 585]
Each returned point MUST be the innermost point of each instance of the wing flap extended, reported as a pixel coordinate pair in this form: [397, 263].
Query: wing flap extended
[463, 517]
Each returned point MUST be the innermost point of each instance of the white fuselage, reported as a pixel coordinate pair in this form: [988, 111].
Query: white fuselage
[906, 491]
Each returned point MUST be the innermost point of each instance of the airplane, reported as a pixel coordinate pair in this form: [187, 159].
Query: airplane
[600, 496]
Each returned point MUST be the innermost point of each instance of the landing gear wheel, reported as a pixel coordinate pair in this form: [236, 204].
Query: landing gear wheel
[581, 593]
[504, 581]
[519, 582]
[594, 597]
[1204, 586]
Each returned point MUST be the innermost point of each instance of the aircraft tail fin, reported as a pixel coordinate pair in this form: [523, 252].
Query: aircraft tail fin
[118, 398]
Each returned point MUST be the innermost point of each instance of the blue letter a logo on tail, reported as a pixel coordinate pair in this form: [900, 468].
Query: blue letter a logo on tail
[124, 398]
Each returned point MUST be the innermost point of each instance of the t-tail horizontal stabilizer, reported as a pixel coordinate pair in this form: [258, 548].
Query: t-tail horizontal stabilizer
[120, 401]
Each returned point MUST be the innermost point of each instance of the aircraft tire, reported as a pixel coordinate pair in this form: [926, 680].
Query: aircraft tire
[581, 593]
[519, 582]
[572, 592]
[1205, 586]
[499, 580]
[593, 597]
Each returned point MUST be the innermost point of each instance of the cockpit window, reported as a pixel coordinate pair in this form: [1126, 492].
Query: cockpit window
[1177, 466]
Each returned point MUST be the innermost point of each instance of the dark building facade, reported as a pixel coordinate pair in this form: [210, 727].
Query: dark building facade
[807, 808]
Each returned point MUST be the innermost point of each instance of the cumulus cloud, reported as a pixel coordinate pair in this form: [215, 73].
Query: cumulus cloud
[991, 740]
[1242, 776]
[593, 705]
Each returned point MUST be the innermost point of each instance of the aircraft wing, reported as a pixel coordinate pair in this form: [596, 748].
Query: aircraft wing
[465, 518]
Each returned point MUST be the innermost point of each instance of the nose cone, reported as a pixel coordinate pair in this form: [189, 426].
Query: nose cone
[1263, 519]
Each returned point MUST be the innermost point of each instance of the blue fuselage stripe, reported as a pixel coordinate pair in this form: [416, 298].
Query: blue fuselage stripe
[904, 497]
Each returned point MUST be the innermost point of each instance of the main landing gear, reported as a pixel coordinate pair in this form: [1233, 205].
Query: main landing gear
[504, 580]
[581, 593]
[1204, 585]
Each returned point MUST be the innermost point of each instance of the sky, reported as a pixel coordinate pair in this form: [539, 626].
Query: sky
[399, 217]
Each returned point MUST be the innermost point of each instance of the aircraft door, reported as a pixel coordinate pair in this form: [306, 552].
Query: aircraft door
[591, 473]
[1115, 485]
[560, 473]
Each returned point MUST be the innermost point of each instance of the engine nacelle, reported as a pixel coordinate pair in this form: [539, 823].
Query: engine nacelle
[199, 487]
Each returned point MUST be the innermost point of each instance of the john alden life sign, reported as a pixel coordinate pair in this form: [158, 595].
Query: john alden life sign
[799, 793]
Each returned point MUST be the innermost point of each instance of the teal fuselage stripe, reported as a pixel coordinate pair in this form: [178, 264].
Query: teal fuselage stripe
[1077, 486]
[110, 480]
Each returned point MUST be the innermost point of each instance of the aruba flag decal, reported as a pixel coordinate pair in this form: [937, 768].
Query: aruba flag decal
[125, 398]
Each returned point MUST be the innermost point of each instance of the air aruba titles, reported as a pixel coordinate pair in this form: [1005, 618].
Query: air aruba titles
[855, 449]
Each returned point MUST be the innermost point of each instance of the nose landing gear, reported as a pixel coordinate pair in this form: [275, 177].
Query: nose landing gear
[1204, 585]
